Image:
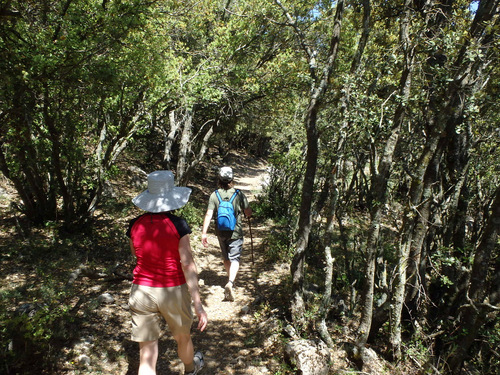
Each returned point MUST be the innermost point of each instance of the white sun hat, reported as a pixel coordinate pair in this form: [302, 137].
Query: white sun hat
[161, 194]
[226, 174]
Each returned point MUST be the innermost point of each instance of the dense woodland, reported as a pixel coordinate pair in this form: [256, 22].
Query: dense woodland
[380, 121]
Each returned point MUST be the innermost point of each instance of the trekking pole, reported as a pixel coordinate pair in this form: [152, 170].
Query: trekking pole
[251, 237]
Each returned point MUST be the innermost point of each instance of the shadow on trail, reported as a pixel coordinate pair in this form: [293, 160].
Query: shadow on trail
[211, 277]
[237, 342]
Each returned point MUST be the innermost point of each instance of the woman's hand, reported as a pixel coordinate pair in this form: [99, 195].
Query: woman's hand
[202, 318]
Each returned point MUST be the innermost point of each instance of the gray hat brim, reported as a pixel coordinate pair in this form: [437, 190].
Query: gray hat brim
[173, 200]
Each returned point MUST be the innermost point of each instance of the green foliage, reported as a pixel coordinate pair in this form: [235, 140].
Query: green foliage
[279, 246]
[31, 334]
[445, 259]
[418, 350]
[489, 341]
[193, 215]
[282, 191]
[75, 81]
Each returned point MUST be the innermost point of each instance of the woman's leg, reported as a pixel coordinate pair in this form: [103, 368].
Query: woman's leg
[148, 356]
[185, 350]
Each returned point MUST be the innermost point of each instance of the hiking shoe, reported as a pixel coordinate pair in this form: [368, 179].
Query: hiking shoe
[199, 362]
[228, 291]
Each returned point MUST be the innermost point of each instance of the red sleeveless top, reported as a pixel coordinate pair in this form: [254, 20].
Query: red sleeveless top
[156, 241]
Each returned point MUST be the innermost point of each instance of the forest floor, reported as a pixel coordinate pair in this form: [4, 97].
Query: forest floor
[242, 336]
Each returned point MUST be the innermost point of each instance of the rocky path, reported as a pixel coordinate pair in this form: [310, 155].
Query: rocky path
[230, 341]
[233, 342]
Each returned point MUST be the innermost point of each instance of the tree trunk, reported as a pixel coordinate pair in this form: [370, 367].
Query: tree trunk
[33, 184]
[304, 226]
[169, 139]
[457, 203]
[201, 153]
[190, 151]
[318, 90]
[327, 297]
[474, 311]
[378, 190]
[414, 228]
[185, 144]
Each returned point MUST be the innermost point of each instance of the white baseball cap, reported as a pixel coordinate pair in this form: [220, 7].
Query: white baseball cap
[226, 174]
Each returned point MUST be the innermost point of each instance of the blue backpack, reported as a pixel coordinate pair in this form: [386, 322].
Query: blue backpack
[226, 217]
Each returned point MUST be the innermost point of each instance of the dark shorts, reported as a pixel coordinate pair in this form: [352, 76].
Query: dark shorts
[231, 249]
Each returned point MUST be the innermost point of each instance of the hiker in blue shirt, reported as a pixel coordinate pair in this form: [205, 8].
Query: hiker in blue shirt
[230, 240]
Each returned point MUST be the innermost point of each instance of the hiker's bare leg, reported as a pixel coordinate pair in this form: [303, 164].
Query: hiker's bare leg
[148, 353]
[231, 269]
[185, 350]
[227, 265]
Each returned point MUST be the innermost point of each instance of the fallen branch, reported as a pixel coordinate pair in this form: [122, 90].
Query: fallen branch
[94, 274]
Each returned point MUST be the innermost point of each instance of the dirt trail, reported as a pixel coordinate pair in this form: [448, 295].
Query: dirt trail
[232, 343]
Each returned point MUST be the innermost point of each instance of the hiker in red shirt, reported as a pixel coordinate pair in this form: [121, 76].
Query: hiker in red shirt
[165, 276]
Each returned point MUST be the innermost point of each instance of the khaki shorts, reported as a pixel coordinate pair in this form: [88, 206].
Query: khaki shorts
[148, 303]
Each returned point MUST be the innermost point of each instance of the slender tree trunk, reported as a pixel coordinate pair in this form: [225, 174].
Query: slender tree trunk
[402, 257]
[333, 175]
[297, 267]
[317, 94]
[474, 311]
[365, 34]
[58, 168]
[327, 298]
[457, 203]
[415, 223]
[185, 144]
[378, 191]
[169, 138]
[203, 146]
[107, 151]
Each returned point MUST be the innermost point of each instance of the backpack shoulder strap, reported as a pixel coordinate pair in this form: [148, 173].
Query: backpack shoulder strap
[218, 195]
[234, 195]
